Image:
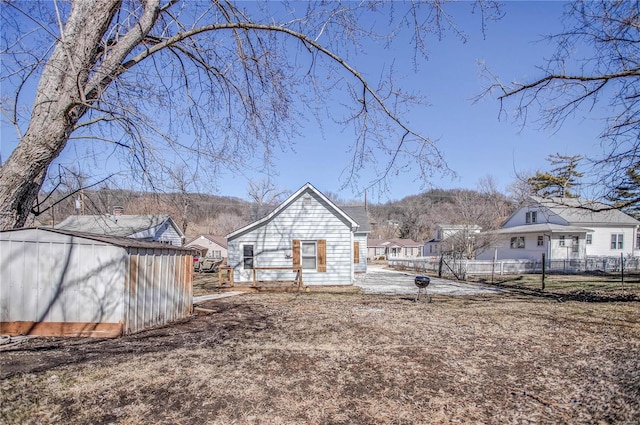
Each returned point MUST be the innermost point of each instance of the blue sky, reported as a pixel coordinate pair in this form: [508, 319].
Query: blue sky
[475, 143]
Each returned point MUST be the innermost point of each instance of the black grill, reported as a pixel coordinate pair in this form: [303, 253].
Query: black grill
[422, 282]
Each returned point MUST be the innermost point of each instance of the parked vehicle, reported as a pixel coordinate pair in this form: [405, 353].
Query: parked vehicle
[207, 264]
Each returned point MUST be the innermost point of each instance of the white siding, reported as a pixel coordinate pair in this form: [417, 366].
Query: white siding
[601, 241]
[310, 220]
[519, 218]
[210, 245]
[60, 279]
[165, 233]
[531, 250]
[158, 287]
[168, 234]
[48, 277]
[566, 251]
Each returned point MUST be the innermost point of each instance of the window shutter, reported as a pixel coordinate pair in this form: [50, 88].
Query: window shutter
[296, 253]
[322, 255]
[356, 252]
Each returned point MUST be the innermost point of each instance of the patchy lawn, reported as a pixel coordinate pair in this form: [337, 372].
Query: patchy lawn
[582, 287]
[342, 358]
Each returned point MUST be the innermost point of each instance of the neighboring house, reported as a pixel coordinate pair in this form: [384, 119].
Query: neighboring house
[306, 230]
[565, 229]
[152, 228]
[359, 214]
[211, 246]
[449, 238]
[61, 283]
[393, 248]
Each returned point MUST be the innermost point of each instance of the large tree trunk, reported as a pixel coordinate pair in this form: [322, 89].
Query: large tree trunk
[59, 104]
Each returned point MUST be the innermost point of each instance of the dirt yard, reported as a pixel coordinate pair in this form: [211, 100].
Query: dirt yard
[332, 357]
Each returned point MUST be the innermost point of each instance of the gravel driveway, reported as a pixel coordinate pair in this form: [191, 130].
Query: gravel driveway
[379, 280]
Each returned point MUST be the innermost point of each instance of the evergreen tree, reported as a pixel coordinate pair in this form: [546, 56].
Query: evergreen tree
[559, 181]
[626, 195]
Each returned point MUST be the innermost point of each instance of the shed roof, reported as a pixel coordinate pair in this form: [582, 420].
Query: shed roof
[114, 225]
[120, 241]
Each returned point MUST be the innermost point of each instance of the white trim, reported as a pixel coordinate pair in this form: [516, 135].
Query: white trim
[286, 203]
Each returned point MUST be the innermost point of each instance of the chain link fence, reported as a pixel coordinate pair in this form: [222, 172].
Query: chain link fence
[461, 268]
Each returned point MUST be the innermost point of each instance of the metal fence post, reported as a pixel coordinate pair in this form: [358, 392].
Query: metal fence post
[543, 269]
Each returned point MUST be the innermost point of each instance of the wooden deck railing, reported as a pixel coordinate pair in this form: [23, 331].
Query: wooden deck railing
[296, 269]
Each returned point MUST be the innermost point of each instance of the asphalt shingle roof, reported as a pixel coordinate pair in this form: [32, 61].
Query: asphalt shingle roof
[585, 212]
[359, 214]
[112, 225]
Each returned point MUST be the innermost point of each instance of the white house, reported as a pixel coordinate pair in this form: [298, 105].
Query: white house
[306, 230]
[360, 236]
[211, 246]
[394, 248]
[151, 228]
[564, 229]
[448, 237]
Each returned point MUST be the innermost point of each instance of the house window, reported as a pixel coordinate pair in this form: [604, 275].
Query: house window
[589, 239]
[379, 251]
[617, 241]
[217, 254]
[561, 242]
[540, 240]
[517, 242]
[247, 256]
[308, 254]
[531, 217]
[574, 244]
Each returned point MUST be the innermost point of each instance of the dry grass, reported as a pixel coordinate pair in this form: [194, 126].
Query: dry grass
[593, 287]
[328, 357]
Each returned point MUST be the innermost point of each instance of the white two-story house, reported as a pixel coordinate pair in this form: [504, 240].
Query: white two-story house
[450, 238]
[564, 228]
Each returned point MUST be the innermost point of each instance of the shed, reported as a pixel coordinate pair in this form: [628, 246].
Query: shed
[63, 283]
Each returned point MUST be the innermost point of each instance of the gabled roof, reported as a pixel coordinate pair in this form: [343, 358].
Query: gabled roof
[372, 243]
[576, 211]
[403, 242]
[306, 188]
[115, 225]
[359, 214]
[120, 241]
[218, 240]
